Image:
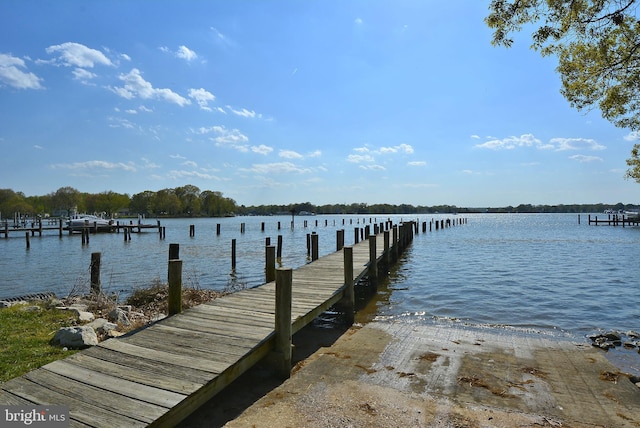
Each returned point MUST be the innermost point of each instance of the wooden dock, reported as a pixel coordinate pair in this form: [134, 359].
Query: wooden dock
[159, 375]
[615, 220]
[37, 227]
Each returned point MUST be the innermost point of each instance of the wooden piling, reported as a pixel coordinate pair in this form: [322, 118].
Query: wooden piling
[26, 234]
[95, 273]
[314, 246]
[175, 287]
[387, 253]
[174, 254]
[192, 230]
[218, 229]
[233, 254]
[279, 254]
[373, 264]
[270, 263]
[339, 239]
[284, 281]
[349, 300]
[174, 251]
[394, 245]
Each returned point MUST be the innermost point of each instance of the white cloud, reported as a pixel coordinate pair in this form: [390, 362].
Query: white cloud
[78, 55]
[358, 21]
[262, 149]
[190, 163]
[202, 97]
[585, 159]
[417, 163]
[509, 143]
[83, 75]
[315, 154]
[186, 53]
[95, 164]
[529, 140]
[632, 136]
[228, 137]
[290, 154]
[12, 73]
[136, 86]
[244, 112]
[276, 168]
[561, 144]
[372, 167]
[360, 158]
[176, 175]
[403, 148]
[221, 39]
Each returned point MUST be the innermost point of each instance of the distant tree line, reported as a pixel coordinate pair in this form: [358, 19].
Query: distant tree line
[190, 201]
[178, 202]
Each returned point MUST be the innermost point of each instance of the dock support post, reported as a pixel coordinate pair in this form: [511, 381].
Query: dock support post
[349, 299]
[26, 234]
[394, 243]
[339, 239]
[279, 250]
[284, 281]
[175, 287]
[373, 263]
[387, 253]
[270, 264]
[95, 273]
[233, 254]
[314, 246]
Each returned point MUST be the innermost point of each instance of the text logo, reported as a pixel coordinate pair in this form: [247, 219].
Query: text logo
[34, 416]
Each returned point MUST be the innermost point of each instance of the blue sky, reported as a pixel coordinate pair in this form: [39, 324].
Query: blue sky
[275, 102]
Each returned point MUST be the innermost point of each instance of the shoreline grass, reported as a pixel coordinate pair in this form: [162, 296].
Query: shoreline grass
[25, 335]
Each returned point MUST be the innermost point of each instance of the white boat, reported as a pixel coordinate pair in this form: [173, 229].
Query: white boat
[89, 221]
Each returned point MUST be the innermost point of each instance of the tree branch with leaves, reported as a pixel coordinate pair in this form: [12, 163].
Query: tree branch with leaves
[597, 43]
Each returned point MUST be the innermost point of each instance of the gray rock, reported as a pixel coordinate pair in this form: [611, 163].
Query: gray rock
[75, 337]
[119, 316]
[633, 334]
[79, 307]
[613, 335]
[101, 325]
[32, 308]
[85, 316]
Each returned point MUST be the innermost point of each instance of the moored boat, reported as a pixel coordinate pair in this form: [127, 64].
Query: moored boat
[89, 221]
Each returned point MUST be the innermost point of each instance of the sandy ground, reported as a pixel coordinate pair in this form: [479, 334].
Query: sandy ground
[404, 375]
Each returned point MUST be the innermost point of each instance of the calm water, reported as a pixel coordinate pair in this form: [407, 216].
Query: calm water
[537, 272]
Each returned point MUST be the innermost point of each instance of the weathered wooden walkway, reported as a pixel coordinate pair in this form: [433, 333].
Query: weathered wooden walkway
[159, 375]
